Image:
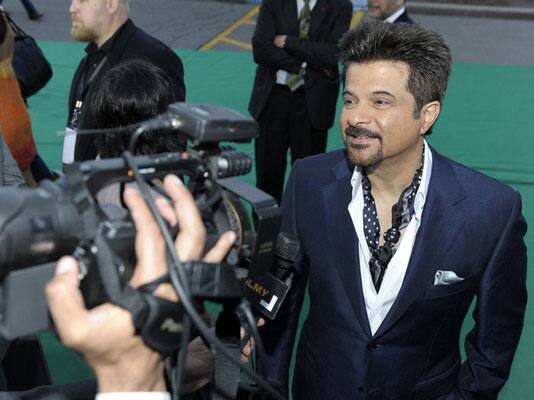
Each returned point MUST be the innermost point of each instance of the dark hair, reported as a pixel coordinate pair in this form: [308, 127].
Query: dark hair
[424, 51]
[131, 92]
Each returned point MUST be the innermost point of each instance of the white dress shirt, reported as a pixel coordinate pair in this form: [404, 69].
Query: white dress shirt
[281, 75]
[393, 17]
[378, 304]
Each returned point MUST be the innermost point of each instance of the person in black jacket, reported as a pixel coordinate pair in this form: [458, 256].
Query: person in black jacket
[113, 38]
[297, 82]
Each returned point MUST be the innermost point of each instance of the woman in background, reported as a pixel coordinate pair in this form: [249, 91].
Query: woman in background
[15, 121]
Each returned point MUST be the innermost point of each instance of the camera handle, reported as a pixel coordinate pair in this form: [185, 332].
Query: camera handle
[156, 320]
[226, 374]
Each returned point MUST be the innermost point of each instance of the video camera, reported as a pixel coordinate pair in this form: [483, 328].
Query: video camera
[38, 226]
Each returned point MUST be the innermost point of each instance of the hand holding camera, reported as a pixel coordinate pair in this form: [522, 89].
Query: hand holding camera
[144, 283]
[105, 335]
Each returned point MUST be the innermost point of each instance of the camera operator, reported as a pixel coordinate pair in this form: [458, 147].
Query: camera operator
[105, 335]
[117, 103]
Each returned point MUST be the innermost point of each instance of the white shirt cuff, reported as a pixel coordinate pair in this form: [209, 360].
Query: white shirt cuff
[133, 396]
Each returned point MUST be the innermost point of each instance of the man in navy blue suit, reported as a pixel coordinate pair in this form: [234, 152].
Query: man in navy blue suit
[396, 242]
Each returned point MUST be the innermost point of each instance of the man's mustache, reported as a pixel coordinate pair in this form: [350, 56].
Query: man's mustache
[358, 131]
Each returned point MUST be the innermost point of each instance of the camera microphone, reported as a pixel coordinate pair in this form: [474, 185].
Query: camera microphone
[231, 162]
[205, 123]
[267, 292]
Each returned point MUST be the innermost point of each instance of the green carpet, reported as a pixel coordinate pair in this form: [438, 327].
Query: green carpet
[486, 124]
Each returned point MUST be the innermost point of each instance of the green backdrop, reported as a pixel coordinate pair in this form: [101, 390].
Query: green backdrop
[486, 123]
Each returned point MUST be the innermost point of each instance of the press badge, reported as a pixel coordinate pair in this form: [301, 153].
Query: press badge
[69, 140]
[69, 143]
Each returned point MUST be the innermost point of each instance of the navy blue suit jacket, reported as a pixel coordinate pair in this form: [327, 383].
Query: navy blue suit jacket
[471, 224]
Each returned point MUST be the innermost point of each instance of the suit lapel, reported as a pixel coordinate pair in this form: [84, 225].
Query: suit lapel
[336, 197]
[404, 18]
[317, 15]
[441, 222]
[121, 43]
[292, 17]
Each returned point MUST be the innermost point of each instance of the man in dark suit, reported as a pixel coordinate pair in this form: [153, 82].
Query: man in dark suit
[396, 242]
[389, 10]
[297, 82]
[113, 38]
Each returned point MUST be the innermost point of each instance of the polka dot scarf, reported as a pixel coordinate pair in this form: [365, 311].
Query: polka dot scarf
[401, 213]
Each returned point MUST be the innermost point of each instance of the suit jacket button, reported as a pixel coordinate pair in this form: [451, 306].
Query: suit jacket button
[372, 346]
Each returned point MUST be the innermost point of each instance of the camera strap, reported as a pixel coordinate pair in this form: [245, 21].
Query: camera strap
[220, 283]
[226, 374]
[163, 324]
[156, 320]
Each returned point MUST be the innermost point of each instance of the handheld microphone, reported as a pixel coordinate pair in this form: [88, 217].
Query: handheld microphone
[267, 292]
[287, 248]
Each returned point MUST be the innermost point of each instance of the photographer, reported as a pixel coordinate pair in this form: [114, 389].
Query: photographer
[117, 104]
[105, 335]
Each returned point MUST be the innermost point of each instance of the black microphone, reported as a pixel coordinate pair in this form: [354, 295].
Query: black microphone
[267, 292]
[285, 255]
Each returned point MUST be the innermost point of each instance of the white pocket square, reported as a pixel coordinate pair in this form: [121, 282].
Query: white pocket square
[443, 278]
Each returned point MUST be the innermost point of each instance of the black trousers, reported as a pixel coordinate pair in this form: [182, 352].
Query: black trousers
[284, 125]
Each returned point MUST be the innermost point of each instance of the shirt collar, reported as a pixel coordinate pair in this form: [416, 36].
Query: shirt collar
[421, 194]
[393, 17]
[300, 5]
